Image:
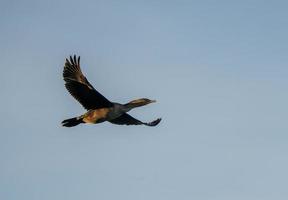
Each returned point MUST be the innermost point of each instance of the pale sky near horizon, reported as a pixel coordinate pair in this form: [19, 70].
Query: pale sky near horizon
[218, 70]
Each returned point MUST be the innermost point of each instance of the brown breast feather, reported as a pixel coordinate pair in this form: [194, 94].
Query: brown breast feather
[96, 116]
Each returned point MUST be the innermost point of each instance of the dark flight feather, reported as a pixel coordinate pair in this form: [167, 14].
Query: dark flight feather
[79, 87]
[126, 119]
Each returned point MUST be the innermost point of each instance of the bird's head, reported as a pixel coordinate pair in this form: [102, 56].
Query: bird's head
[140, 102]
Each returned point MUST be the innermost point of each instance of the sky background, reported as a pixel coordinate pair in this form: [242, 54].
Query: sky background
[217, 68]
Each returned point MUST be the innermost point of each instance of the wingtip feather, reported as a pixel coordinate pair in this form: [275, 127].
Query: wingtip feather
[154, 123]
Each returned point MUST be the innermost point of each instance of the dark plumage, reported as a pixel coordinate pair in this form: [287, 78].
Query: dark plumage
[99, 108]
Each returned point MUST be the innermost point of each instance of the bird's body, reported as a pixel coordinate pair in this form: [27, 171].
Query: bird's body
[99, 108]
[103, 114]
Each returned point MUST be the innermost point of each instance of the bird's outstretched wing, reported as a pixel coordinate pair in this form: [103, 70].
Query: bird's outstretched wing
[79, 87]
[129, 120]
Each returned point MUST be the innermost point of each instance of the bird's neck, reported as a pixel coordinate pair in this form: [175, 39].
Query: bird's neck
[129, 106]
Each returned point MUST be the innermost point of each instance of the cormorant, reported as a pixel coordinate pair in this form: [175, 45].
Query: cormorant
[99, 108]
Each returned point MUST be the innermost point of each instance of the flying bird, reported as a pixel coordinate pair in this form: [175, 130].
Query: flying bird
[99, 109]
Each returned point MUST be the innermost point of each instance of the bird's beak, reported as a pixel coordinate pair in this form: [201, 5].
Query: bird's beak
[153, 101]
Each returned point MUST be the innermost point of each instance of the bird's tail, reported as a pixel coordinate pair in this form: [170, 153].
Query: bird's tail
[72, 122]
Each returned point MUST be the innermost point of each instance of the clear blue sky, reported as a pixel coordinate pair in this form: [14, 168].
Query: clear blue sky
[217, 68]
